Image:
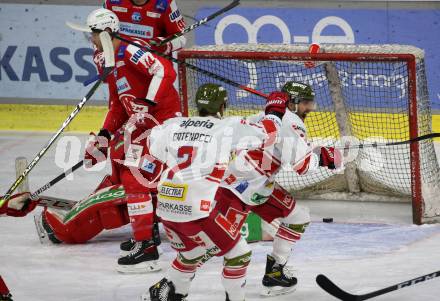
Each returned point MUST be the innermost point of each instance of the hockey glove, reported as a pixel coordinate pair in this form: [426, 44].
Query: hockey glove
[98, 59]
[165, 49]
[329, 157]
[96, 148]
[20, 205]
[276, 104]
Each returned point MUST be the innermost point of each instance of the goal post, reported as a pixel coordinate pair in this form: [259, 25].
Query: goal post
[364, 93]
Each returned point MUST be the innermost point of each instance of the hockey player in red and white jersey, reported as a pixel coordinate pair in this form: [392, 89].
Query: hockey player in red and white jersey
[250, 180]
[147, 20]
[142, 95]
[197, 151]
[249, 185]
[141, 84]
[139, 76]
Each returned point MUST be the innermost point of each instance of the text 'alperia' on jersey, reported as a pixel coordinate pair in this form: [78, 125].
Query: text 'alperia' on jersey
[197, 151]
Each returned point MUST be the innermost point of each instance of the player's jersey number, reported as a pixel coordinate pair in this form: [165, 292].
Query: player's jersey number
[184, 152]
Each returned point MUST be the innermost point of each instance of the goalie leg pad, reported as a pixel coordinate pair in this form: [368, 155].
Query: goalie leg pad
[83, 223]
[76, 231]
[107, 181]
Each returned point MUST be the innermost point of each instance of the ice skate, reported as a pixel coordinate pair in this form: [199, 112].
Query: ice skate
[128, 245]
[278, 280]
[142, 258]
[164, 290]
[44, 231]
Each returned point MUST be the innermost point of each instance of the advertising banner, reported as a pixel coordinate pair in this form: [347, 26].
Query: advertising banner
[420, 28]
[40, 57]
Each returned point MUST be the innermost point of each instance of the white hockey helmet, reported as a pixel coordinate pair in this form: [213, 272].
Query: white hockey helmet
[99, 19]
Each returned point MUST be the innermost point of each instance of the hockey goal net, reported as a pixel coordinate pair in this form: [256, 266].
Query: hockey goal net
[364, 94]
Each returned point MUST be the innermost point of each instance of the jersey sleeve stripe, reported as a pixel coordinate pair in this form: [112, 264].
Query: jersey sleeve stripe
[156, 81]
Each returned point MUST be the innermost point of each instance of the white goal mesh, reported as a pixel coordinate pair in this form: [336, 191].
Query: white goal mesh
[371, 93]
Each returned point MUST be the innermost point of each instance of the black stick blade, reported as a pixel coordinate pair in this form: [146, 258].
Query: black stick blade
[331, 288]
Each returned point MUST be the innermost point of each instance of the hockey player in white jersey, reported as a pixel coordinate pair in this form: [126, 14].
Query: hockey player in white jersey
[250, 177]
[249, 185]
[197, 151]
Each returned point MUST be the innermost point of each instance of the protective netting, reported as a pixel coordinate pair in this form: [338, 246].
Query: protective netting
[367, 100]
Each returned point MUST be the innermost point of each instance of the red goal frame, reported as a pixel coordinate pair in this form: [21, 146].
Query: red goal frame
[409, 59]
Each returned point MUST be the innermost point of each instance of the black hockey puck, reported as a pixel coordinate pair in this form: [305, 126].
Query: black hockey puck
[327, 219]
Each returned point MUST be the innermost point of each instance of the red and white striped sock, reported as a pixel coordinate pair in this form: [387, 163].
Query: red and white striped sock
[283, 243]
[181, 274]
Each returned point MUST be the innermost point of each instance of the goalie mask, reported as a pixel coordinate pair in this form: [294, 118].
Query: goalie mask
[210, 98]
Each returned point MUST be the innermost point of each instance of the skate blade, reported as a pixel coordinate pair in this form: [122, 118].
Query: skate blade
[277, 291]
[140, 268]
[145, 297]
[125, 253]
[42, 236]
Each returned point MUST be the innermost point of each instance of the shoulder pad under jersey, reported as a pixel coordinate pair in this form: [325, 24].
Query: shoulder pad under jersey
[293, 121]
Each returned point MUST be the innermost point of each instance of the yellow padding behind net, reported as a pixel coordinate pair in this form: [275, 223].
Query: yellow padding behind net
[48, 118]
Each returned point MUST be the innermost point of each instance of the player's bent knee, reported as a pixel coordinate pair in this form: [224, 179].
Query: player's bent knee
[113, 217]
[188, 261]
[193, 255]
[85, 222]
[300, 215]
[72, 231]
[235, 266]
[236, 260]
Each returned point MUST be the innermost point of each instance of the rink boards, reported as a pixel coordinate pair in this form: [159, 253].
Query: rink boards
[48, 118]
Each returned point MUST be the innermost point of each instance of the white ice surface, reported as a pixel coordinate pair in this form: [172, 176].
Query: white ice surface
[359, 256]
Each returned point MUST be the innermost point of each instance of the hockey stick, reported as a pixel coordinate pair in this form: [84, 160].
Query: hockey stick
[193, 67]
[110, 62]
[195, 19]
[34, 196]
[51, 202]
[56, 203]
[176, 35]
[201, 22]
[409, 141]
[91, 80]
[331, 288]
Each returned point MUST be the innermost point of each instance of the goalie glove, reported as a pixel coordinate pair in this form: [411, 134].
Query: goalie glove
[329, 157]
[99, 60]
[97, 148]
[19, 205]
